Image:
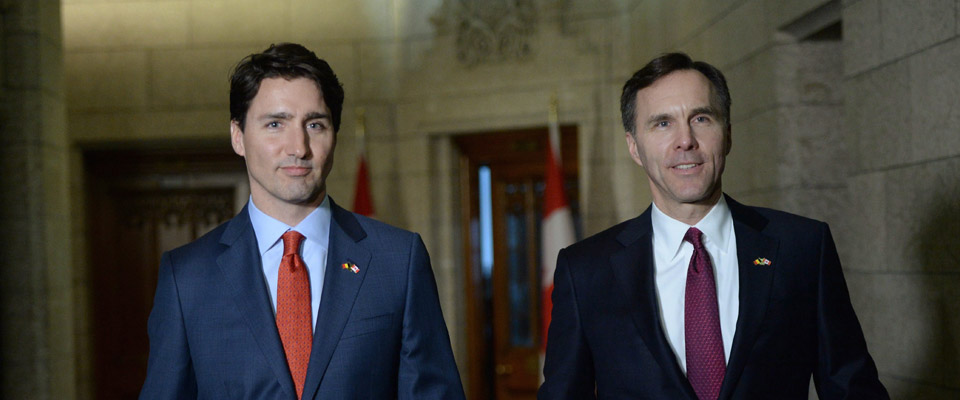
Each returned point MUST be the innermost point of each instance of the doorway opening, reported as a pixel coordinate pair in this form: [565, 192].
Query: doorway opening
[140, 203]
[502, 188]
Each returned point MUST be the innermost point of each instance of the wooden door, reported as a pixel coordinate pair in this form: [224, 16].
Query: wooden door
[503, 297]
[140, 204]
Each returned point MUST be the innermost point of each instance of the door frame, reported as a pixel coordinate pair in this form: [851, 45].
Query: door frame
[486, 148]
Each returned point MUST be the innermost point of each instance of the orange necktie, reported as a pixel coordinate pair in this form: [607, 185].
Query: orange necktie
[293, 309]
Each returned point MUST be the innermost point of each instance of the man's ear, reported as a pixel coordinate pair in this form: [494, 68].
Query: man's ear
[236, 137]
[634, 149]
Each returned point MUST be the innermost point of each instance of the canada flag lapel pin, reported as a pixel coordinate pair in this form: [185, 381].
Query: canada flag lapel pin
[761, 261]
[350, 266]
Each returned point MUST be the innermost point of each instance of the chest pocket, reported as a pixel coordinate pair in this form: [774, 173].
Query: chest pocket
[367, 325]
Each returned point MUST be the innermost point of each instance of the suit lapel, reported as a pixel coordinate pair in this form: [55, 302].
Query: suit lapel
[241, 266]
[633, 267]
[755, 284]
[340, 288]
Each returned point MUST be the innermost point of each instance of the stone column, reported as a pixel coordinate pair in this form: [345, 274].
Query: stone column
[37, 345]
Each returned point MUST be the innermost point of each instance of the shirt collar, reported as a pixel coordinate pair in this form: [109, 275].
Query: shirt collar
[715, 227]
[315, 227]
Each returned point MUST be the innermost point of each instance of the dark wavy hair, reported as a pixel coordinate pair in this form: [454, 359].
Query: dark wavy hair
[288, 61]
[663, 66]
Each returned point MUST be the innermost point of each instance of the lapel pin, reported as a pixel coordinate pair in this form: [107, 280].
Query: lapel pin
[351, 266]
[761, 261]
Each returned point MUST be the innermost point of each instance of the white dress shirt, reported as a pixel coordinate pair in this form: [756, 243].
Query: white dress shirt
[316, 231]
[672, 255]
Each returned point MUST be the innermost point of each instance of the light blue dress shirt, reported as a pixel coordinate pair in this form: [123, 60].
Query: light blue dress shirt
[316, 230]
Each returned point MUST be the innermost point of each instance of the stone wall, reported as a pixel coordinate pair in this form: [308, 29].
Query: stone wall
[37, 341]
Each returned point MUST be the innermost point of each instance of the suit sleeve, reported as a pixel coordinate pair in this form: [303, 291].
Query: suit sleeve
[568, 369]
[427, 368]
[169, 369]
[845, 369]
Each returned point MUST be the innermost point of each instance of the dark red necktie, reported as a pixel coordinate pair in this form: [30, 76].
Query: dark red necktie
[701, 322]
[293, 309]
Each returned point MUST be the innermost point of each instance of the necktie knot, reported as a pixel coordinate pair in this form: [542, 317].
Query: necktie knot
[694, 236]
[291, 242]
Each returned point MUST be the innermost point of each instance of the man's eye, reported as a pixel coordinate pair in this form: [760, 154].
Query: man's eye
[662, 124]
[701, 118]
[273, 124]
[316, 125]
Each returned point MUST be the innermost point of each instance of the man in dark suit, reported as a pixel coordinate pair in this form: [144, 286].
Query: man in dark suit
[296, 297]
[700, 297]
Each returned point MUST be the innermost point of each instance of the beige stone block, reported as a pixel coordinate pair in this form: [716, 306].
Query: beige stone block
[878, 124]
[923, 217]
[862, 32]
[51, 66]
[53, 126]
[809, 73]
[755, 155]
[140, 125]
[782, 13]
[912, 26]
[182, 79]
[21, 17]
[902, 323]
[951, 317]
[738, 34]
[752, 85]
[21, 56]
[340, 20]
[414, 155]
[413, 18]
[249, 22]
[125, 25]
[648, 33]
[865, 250]
[106, 80]
[935, 87]
[382, 156]
[811, 146]
[21, 121]
[379, 118]
[415, 201]
[21, 165]
[379, 70]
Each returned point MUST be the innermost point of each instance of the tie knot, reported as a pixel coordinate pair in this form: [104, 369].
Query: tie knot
[694, 237]
[291, 242]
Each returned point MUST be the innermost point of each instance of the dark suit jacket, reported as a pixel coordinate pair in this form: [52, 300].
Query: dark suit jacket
[606, 338]
[379, 333]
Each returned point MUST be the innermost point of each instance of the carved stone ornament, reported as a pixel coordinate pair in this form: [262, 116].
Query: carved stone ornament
[488, 30]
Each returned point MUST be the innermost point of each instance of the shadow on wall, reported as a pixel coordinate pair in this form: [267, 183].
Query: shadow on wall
[938, 248]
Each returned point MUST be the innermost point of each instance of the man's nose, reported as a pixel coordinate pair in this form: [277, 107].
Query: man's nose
[686, 138]
[298, 143]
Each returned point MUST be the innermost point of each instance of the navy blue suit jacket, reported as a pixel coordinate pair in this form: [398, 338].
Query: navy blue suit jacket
[379, 332]
[606, 338]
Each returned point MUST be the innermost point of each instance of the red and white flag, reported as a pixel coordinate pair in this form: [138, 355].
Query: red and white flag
[362, 198]
[557, 231]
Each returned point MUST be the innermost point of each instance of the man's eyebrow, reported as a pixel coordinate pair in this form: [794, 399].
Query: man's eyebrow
[711, 111]
[318, 115]
[277, 115]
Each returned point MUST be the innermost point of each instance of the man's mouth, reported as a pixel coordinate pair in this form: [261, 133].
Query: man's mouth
[684, 167]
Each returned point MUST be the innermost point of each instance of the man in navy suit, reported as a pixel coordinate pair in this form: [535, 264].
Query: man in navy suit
[700, 297]
[296, 297]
